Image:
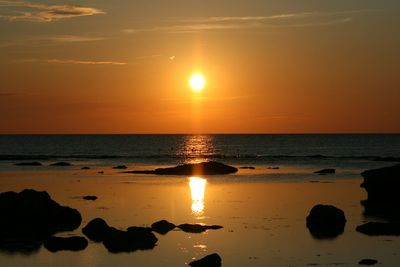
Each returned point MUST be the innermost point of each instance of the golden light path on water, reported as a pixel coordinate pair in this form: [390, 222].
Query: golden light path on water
[197, 189]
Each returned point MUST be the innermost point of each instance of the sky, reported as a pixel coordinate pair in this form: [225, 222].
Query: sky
[272, 66]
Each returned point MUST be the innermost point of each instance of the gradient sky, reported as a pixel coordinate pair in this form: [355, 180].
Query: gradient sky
[272, 66]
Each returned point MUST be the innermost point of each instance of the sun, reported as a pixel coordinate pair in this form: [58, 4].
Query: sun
[197, 82]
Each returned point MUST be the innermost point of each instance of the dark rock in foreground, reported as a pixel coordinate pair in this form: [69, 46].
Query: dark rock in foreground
[379, 228]
[197, 228]
[367, 262]
[326, 221]
[135, 238]
[74, 243]
[248, 168]
[61, 164]
[162, 227]
[204, 168]
[382, 184]
[326, 171]
[120, 167]
[93, 198]
[213, 260]
[35, 163]
[30, 217]
[96, 230]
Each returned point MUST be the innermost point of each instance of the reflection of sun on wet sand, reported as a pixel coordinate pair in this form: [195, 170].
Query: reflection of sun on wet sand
[197, 190]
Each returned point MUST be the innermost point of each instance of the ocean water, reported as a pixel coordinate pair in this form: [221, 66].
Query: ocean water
[351, 152]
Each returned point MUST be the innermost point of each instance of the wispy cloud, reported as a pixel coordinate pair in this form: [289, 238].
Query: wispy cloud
[28, 11]
[73, 61]
[289, 20]
[70, 38]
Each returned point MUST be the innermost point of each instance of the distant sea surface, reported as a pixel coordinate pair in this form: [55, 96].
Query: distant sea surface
[336, 150]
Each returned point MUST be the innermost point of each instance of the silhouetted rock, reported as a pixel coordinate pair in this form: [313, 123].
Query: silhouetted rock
[61, 164]
[135, 238]
[382, 184]
[120, 167]
[96, 230]
[197, 228]
[326, 171]
[204, 168]
[100, 172]
[273, 168]
[74, 243]
[379, 228]
[90, 198]
[162, 227]
[29, 217]
[213, 260]
[85, 168]
[367, 262]
[23, 245]
[326, 221]
[388, 159]
[248, 167]
[34, 163]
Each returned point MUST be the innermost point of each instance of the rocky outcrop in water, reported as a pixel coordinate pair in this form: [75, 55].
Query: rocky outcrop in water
[213, 260]
[61, 164]
[326, 171]
[73, 243]
[197, 228]
[326, 221]
[30, 217]
[367, 262]
[120, 167]
[204, 168]
[379, 228]
[34, 163]
[92, 198]
[162, 227]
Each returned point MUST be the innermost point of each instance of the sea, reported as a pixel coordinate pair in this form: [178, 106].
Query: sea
[348, 153]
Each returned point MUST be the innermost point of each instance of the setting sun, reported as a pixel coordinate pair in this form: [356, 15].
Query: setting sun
[197, 82]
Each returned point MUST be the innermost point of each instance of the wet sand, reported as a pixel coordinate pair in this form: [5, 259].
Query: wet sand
[264, 221]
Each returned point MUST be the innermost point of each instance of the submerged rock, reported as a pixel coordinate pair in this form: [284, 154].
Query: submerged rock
[248, 168]
[135, 238]
[197, 228]
[367, 262]
[61, 164]
[326, 221]
[85, 168]
[213, 260]
[203, 168]
[93, 198]
[379, 228]
[326, 171]
[120, 167]
[162, 227]
[35, 163]
[96, 230]
[29, 217]
[74, 243]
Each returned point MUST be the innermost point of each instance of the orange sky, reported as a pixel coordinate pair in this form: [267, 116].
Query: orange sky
[271, 66]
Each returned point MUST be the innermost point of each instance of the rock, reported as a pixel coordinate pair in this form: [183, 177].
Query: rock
[24, 245]
[203, 168]
[367, 262]
[100, 172]
[34, 163]
[85, 168]
[120, 167]
[197, 228]
[273, 168]
[213, 260]
[96, 230]
[248, 167]
[30, 217]
[379, 228]
[93, 198]
[135, 238]
[326, 221]
[162, 227]
[61, 164]
[74, 243]
[382, 184]
[389, 159]
[325, 171]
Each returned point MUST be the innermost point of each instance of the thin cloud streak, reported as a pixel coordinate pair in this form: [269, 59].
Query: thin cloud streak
[72, 61]
[27, 11]
[290, 20]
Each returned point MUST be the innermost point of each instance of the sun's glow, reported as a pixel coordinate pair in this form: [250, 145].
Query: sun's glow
[197, 189]
[197, 82]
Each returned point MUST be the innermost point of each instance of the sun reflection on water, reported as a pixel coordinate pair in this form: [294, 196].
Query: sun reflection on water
[197, 189]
